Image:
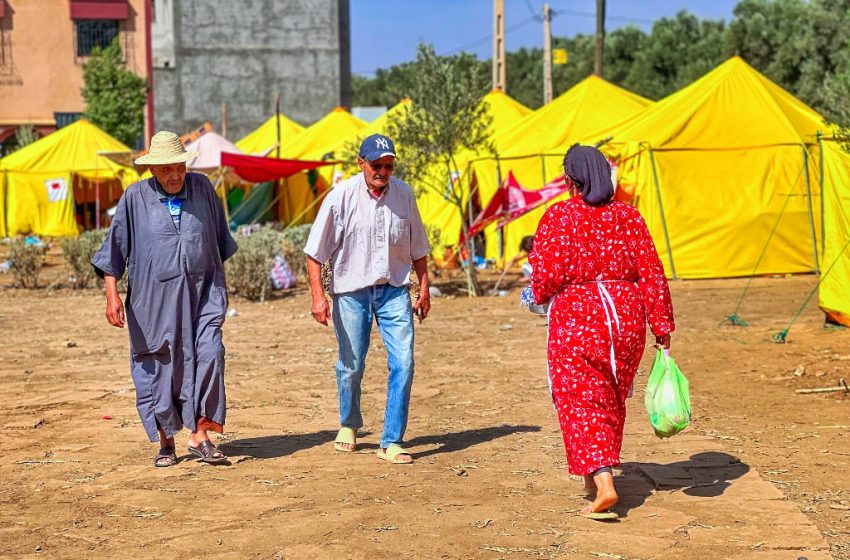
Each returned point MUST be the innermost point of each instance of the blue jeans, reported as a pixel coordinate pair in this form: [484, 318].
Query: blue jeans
[352, 319]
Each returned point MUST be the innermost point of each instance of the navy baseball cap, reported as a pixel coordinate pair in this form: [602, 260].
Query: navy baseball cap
[376, 146]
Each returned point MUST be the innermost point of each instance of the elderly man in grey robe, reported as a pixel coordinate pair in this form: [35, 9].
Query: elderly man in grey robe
[171, 237]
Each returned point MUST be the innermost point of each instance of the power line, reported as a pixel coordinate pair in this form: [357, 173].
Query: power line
[489, 37]
[592, 15]
[531, 11]
[534, 17]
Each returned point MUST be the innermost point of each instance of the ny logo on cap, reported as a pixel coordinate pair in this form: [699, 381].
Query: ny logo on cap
[382, 143]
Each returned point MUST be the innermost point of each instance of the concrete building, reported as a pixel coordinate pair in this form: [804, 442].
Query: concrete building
[43, 45]
[243, 53]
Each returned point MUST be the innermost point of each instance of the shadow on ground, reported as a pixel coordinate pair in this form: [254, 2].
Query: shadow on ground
[457, 441]
[705, 475]
[270, 447]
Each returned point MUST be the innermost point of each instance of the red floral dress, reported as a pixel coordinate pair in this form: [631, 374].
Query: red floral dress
[600, 270]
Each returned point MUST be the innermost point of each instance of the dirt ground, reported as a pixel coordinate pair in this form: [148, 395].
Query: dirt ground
[490, 478]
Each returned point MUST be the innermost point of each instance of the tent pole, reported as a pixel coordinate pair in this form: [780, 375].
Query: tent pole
[809, 202]
[661, 208]
[97, 203]
[5, 208]
[245, 200]
[543, 168]
[284, 194]
[822, 195]
[303, 212]
[266, 209]
[471, 218]
[501, 227]
[277, 122]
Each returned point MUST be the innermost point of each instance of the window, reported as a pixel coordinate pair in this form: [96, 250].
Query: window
[64, 119]
[93, 33]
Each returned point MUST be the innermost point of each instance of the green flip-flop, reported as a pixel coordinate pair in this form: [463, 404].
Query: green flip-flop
[599, 515]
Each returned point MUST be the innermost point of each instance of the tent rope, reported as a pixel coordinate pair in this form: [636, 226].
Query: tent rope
[782, 336]
[734, 319]
[317, 200]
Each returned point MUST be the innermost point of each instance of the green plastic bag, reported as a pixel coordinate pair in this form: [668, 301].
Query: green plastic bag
[668, 401]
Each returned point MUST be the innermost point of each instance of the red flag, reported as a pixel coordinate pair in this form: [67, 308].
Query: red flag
[512, 201]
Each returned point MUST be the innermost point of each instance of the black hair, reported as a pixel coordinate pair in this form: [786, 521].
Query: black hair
[527, 243]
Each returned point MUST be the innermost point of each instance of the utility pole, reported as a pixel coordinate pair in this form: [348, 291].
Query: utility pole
[600, 36]
[547, 56]
[499, 80]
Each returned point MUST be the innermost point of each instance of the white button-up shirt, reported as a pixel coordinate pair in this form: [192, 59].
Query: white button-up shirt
[369, 240]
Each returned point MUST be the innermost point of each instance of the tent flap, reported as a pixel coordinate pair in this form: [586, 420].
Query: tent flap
[258, 169]
[834, 291]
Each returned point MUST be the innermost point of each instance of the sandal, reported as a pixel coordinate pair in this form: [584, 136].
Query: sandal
[598, 515]
[391, 455]
[166, 457]
[346, 435]
[208, 453]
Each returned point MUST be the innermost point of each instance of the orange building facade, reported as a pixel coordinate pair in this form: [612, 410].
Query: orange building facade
[43, 46]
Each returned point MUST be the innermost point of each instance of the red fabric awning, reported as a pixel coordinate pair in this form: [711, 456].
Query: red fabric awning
[512, 201]
[6, 131]
[99, 9]
[258, 169]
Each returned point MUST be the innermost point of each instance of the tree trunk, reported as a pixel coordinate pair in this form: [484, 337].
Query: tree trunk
[472, 287]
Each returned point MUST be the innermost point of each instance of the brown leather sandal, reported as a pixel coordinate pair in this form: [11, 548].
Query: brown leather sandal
[208, 453]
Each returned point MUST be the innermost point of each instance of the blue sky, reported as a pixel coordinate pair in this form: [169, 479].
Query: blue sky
[385, 32]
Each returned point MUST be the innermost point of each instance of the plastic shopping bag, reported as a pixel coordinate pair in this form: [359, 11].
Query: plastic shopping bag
[668, 401]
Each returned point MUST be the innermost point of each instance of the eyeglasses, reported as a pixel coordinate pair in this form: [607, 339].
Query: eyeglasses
[381, 166]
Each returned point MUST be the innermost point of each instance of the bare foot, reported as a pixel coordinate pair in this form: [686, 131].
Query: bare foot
[589, 486]
[603, 502]
[606, 495]
[197, 438]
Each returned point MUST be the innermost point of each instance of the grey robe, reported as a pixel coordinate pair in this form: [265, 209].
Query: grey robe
[176, 300]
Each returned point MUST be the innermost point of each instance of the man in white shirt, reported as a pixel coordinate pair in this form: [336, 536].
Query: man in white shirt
[370, 228]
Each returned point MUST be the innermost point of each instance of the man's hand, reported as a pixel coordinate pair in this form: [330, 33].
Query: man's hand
[422, 305]
[115, 311]
[320, 309]
[663, 341]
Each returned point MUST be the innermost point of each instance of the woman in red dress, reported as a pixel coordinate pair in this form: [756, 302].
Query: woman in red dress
[594, 262]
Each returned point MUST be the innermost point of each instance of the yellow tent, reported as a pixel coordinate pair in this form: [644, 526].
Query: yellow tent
[533, 149]
[39, 179]
[319, 139]
[834, 291]
[505, 111]
[345, 148]
[296, 202]
[437, 211]
[591, 104]
[265, 137]
[720, 171]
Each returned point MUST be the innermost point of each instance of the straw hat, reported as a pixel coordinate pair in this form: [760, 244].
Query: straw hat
[166, 148]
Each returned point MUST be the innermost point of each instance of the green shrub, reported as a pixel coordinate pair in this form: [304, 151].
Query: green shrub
[78, 252]
[292, 245]
[247, 271]
[26, 263]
